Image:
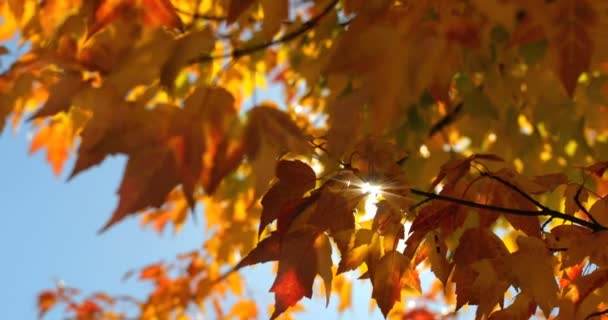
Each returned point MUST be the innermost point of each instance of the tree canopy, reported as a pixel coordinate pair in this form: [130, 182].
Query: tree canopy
[468, 137]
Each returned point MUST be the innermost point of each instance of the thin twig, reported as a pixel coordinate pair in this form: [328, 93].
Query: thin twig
[529, 213]
[446, 120]
[516, 189]
[237, 53]
[597, 314]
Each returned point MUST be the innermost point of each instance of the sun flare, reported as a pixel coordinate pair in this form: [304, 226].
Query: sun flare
[373, 194]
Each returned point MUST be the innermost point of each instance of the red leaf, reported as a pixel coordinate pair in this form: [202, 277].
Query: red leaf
[304, 253]
[284, 198]
[268, 249]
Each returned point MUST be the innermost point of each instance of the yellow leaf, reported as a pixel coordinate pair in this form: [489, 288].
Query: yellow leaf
[270, 133]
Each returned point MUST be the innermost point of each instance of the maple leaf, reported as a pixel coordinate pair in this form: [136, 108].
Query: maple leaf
[164, 149]
[522, 307]
[570, 194]
[61, 94]
[531, 268]
[46, 300]
[338, 198]
[572, 41]
[575, 239]
[305, 252]
[364, 248]
[387, 222]
[269, 134]
[154, 13]
[275, 12]
[599, 211]
[475, 245]
[437, 249]
[187, 48]
[266, 250]
[284, 197]
[388, 279]
[579, 302]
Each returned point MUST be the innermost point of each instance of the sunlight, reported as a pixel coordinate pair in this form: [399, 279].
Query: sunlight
[374, 192]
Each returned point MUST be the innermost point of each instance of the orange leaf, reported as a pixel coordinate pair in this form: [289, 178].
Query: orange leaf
[269, 134]
[57, 137]
[46, 300]
[388, 280]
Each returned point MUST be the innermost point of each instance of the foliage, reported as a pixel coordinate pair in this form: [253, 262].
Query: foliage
[466, 137]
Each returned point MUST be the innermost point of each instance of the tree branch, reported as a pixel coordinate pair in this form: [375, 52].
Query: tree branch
[597, 314]
[237, 53]
[529, 213]
[515, 188]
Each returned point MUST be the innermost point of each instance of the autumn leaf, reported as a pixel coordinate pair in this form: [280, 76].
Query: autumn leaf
[61, 94]
[364, 244]
[388, 280]
[56, 137]
[188, 47]
[339, 202]
[531, 268]
[270, 133]
[46, 300]
[237, 7]
[522, 307]
[437, 251]
[387, 222]
[154, 13]
[266, 250]
[570, 195]
[275, 12]
[474, 246]
[244, 310]
[304, 253]
[599, 211]
[572, 41]
[284, 197]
